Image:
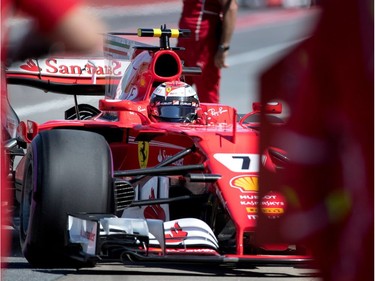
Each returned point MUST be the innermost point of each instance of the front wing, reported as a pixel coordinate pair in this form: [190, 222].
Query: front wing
[187, 240]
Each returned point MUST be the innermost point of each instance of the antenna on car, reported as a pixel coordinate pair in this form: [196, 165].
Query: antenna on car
[164, 39]
[164, 34]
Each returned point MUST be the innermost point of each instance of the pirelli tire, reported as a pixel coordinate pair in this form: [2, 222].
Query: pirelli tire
[66, 171]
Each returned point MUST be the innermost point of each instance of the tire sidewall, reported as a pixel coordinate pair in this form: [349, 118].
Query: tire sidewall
[71, 173]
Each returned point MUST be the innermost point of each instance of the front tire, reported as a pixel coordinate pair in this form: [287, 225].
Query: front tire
[66, 171]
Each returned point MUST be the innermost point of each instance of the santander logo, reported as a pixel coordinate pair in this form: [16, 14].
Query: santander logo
[30, 65]
[177, 234]
[154, 211]
[73, 67]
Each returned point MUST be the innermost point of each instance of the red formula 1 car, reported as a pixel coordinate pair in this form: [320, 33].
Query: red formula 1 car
[151, 175]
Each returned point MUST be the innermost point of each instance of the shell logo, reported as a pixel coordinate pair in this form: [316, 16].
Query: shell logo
[245, 183]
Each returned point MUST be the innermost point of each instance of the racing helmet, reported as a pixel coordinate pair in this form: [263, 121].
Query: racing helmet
[174, 101]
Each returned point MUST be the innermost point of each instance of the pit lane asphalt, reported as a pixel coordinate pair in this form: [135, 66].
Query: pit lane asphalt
[254, 48]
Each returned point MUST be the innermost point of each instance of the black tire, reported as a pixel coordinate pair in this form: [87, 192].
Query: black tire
[66, 171]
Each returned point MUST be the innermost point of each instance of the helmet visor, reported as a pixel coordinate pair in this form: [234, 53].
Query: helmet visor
[176, 112]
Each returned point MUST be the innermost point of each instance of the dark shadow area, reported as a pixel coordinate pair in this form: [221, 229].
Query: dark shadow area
[186, 270]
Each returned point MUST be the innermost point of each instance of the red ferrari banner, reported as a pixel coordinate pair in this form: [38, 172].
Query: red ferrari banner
[328, 179]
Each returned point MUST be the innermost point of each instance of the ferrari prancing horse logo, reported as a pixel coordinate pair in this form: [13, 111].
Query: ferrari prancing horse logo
[143, 152]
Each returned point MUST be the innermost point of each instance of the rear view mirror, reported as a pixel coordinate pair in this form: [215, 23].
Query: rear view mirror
[269, 108]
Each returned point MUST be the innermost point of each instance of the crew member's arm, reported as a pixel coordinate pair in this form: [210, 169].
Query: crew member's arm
[230, 8]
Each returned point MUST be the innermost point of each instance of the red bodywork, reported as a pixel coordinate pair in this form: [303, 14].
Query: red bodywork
[224, 145]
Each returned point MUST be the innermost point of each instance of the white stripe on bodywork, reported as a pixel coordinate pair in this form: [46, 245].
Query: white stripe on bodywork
[239, 162]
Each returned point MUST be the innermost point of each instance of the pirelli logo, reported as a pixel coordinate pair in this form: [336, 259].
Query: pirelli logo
[277, 211]
[251, 210]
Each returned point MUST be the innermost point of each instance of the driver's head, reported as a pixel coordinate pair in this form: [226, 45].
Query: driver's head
[174, 101]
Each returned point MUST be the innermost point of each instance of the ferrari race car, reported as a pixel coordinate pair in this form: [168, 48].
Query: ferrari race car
[150, 175]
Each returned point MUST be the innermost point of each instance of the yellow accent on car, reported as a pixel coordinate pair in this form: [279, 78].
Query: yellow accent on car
[157, 32]
[175, 33]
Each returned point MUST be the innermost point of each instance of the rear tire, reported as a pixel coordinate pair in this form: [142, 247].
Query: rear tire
[66, 171]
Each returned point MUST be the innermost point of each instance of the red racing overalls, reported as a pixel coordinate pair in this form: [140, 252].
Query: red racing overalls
[203, 18]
